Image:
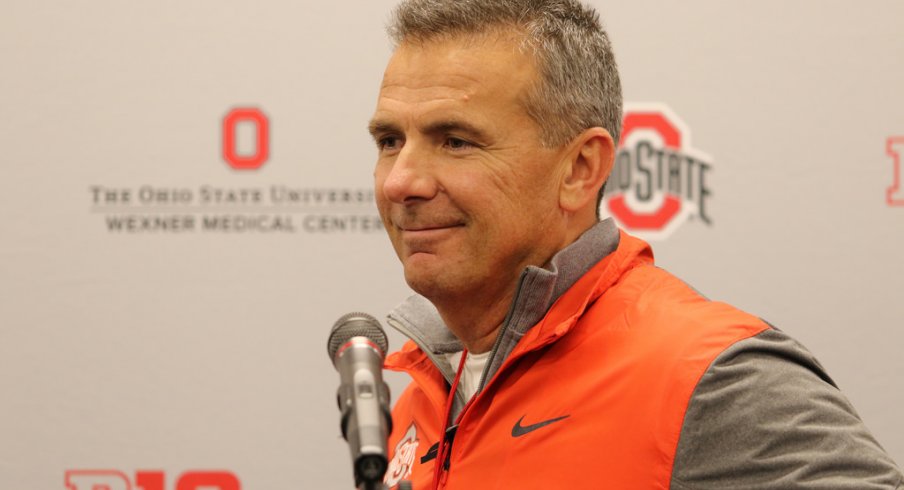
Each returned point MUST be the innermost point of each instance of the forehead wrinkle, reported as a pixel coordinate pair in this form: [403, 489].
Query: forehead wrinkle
[412, 72]
[427, 112]
[422, 98]
[407, 91]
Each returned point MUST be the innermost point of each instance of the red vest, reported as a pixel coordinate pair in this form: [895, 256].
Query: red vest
[614, 362]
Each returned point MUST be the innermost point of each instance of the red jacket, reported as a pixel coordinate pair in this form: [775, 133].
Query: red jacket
[609, 369]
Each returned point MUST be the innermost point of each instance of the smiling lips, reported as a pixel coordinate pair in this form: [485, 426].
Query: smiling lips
[422, 237]
[413, 223]
[420, 228]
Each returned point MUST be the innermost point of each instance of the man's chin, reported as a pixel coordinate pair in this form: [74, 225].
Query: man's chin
[429, 282]
[420, 267]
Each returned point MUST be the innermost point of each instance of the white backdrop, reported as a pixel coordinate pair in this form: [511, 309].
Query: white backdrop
[203, 349]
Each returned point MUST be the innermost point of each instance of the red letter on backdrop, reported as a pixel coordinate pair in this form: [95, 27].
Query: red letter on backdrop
[193, 480]
[149, 480]
[261, 153]
[894, 195]
[96, 480]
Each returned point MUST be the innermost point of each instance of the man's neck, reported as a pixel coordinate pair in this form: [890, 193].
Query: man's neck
[476, 324]
[476, 318]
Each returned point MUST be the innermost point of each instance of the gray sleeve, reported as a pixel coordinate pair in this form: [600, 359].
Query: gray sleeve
[766, 415]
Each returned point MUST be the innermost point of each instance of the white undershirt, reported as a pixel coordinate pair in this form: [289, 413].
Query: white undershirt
[470, 377]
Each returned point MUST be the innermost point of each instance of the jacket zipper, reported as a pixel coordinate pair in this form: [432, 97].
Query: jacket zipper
[502, 331]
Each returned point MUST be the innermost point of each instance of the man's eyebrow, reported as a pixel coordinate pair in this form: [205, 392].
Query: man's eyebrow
[445, 126]
[376, 127]
[441, 127]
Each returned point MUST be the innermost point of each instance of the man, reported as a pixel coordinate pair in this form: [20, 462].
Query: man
[547, 350]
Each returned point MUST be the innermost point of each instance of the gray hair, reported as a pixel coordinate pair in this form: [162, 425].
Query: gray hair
[578, 87]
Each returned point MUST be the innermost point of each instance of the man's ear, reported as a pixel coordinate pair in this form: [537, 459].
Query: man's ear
[587, 166]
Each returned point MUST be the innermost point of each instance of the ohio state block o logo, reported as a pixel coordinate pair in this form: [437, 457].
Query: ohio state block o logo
[658, 181]
[231, 121]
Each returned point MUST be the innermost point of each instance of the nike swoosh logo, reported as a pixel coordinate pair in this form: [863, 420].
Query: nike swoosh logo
[519, 430]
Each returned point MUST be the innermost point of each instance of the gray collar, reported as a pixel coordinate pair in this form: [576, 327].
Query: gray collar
[538, 288]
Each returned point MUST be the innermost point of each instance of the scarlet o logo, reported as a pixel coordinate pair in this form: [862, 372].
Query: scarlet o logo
[671, 205]
[262, 136]
[658, 179]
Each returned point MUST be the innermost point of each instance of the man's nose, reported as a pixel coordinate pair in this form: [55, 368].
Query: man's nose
[411, 177]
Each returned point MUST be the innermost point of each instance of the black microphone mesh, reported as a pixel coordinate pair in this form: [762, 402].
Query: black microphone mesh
[356, 325]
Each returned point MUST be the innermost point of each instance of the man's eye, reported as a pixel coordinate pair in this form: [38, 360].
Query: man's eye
[457, 144]
[388, 143]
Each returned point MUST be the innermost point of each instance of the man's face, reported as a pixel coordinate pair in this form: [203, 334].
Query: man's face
[467, 193]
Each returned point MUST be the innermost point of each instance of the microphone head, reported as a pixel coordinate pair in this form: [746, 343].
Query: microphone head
[356, 325]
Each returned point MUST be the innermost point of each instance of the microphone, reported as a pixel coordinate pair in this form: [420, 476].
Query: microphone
[357, 347]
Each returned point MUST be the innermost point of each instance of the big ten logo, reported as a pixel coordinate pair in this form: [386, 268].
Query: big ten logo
[894, 147]
[149, 480]
[658, 180]
[246, 138]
